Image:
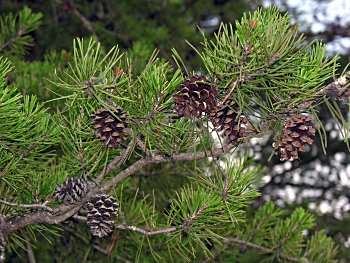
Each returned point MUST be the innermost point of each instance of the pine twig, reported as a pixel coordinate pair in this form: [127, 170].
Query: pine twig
[260, 248]
[155, 159]
[12, 39]
[81, 218]
[231, 91]
[30, 252]
[85, 22]
[115, 163]
[63, 212]
[6, 167]
[33, 206]
[224, 177]
[147, 232]
[285, 238]
[189, 220]
[251, 236]
[143, 231]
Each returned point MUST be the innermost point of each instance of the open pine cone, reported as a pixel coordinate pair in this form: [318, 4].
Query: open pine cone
[112, 130]
[194, 96]
[296, 137]
[101, 209]
[72, 190]
[225, 118]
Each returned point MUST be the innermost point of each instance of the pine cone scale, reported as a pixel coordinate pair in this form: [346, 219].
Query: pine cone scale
[295, 137]
[72, 190]
[225, 119]
[194, 97]
[111, 130]
[101, 210]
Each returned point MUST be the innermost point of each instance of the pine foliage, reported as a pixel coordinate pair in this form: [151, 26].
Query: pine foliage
[15, 29]
[262, 66]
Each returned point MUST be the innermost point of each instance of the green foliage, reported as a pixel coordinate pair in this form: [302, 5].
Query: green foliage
[25, 131]
[31, 77]
[15, 29]
[199, 218]
[284, 240]
[273, 71]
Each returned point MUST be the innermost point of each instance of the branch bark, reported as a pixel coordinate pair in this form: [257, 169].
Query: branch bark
[160, 159]
[146, 232]
[33, 206]
[115, 163]
[261, 248]
[63, 212]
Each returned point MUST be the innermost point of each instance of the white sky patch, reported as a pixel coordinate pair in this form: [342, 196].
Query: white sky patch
[315, 14]
[325, 207]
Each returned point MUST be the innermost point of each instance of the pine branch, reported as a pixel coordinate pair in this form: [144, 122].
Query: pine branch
[261, 248]
[251, 235]
[15, 29]
[30, 252]
[85, 22]
[13, 39]
[148, 232]
[63, 212]
[156, 159]
[115, 163]
[193, 217]
[59, 214]
[29, 206]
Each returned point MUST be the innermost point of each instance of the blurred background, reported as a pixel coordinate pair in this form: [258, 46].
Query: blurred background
[319, 182]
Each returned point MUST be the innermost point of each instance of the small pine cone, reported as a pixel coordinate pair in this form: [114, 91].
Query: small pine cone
[225, 118]
[194, 96]
[295, 137]
[112, 130]
[101, 210]
[72, 190]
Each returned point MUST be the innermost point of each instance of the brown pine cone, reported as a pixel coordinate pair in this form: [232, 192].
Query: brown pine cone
[225, 118]
[194, 97]
[296, 137]
[112, 130]
[101, 209]
[72, 190]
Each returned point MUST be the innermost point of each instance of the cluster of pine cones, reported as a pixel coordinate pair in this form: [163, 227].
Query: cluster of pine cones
[100, 209]
[196, 96]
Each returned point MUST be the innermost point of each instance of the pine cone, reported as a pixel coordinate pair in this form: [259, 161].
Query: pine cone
[72, 190]
[101, 210]
[112, 130]
[295, 137]
[194, 96]
[225, 118]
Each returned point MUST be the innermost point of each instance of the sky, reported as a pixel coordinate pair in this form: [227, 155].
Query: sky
[315, 14]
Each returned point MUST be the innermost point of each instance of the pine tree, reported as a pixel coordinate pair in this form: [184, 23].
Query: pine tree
[57, 178]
